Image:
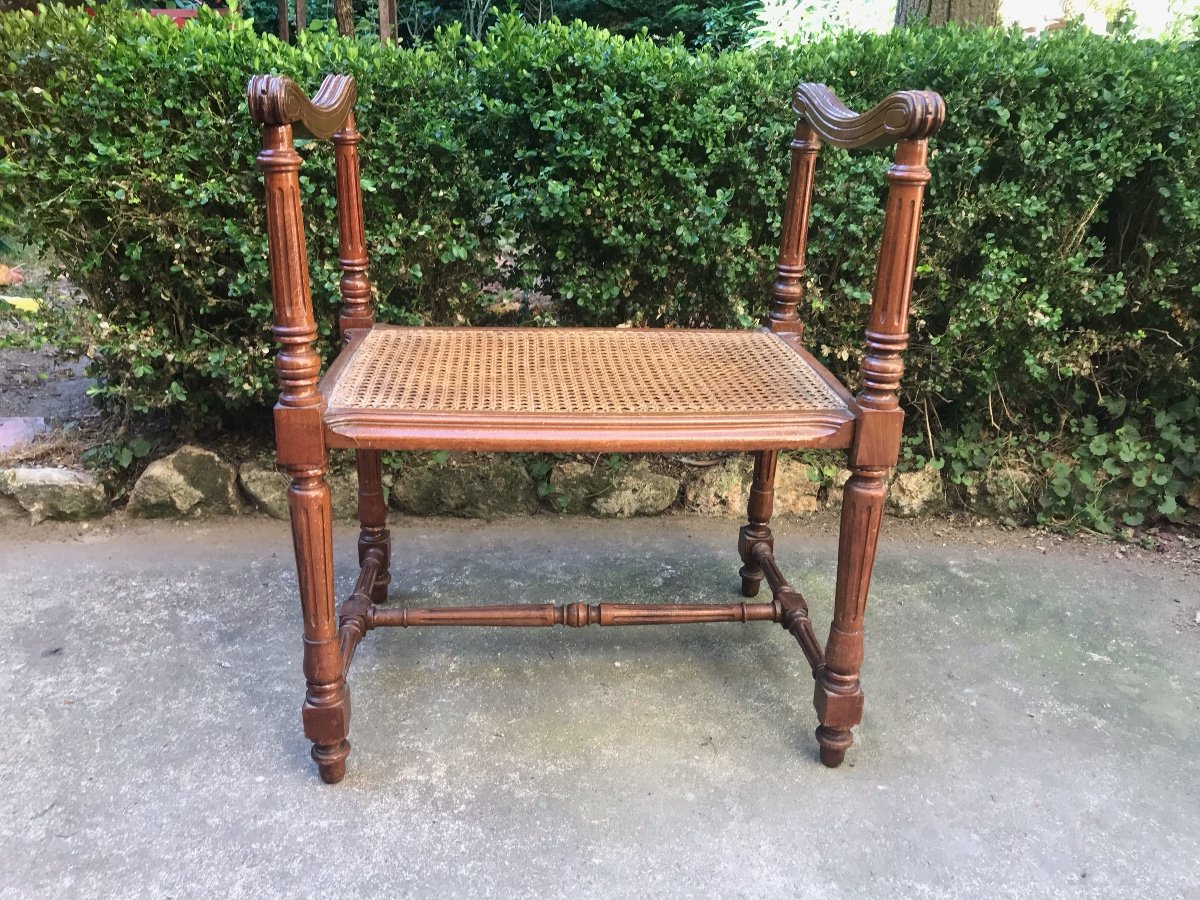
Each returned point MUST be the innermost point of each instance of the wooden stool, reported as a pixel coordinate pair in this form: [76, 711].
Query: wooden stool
[582, 390]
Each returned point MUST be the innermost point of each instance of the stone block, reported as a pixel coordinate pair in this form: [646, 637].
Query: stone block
[473, 487]
[578, 484]
[915, 493]
[796, 491]
[722, 490]
[266, 487]
[638, 491]
[191, 481]
[49, 493]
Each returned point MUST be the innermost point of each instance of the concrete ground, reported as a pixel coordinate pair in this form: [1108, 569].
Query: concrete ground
[1031, 726]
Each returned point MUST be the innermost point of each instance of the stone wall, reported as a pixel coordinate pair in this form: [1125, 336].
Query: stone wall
[195, 482]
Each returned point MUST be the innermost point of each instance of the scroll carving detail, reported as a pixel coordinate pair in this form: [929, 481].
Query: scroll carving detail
[905, 115]
[277, 100]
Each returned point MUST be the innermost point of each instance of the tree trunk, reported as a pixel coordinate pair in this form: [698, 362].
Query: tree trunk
[387, 20]
[940, 12]
[343, 14]
[301, 17]
[282, 7]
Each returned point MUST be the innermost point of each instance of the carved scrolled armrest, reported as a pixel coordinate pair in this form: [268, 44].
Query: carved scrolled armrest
[277, 100]
[905, 115]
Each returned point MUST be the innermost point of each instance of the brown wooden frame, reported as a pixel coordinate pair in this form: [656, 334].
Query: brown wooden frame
[306, 428]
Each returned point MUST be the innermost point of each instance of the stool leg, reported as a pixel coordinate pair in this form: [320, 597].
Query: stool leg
[326, 712]
[839, 697]
[758, 511]
[372, 516]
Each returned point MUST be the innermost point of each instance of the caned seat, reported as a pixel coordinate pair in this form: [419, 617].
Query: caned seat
[581, 389]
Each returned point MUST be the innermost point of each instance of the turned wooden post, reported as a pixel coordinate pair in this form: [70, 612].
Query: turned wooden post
[358, 312]
[300, 441]
[758, 512]
[786, 293]
[372, 517]
[789, 269]
[276, 103]
[839, 698]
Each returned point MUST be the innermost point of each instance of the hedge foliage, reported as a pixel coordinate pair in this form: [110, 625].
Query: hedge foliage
[1058, 296]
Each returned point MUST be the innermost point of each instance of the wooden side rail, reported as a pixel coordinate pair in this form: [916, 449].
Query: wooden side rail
[279, 105]
[795, 609]
[352, 617]
[907, 119]
[358, 614]
[577, 615]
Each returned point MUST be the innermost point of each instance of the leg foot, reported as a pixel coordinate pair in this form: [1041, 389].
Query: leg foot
[326, 710]
[331, 760]
[839, 704]
[838, 696]
[834, 744]
[751, 581]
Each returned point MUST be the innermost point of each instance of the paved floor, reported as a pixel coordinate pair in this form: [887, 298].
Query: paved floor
[1031, 729]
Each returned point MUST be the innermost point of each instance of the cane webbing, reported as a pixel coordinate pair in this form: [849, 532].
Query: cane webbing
[578, 370]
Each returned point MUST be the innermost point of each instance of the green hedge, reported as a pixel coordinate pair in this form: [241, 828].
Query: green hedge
[1057, 300]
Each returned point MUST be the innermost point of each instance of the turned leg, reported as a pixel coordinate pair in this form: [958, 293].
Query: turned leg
[326, 711]
[762, 499]
[372, 516]
[838, 697]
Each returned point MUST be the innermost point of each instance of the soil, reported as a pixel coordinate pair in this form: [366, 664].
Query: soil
[35, 383]
[40, 384]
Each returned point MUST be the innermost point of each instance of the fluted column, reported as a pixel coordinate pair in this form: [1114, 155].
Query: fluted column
[301, 446]
[357, 311]
[788, 290]
[839, 697]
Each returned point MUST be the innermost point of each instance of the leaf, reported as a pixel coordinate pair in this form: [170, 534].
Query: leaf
[25, 304]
